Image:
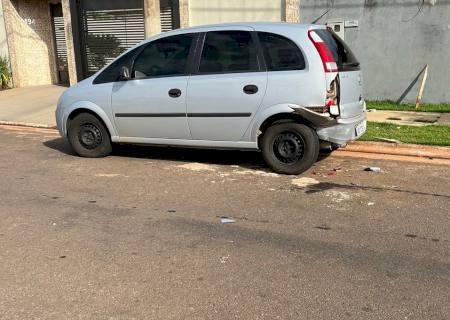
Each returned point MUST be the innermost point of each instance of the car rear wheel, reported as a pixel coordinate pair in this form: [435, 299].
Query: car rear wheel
[290, 148]
[89, 137]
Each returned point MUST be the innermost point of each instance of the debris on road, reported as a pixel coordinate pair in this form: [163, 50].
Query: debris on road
[373, 169]
[110, 175]
[338, 196]
[195, 166]
[257, 173]
[226, 220]
[304, 182]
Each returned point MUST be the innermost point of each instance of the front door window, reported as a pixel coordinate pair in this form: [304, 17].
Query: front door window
[164, 57]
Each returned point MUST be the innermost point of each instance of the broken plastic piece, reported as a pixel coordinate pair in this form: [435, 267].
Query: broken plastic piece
[373, 169]
[225, 220]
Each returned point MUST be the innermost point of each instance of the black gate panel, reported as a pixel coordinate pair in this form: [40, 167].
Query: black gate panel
[108, 28]
[60, 43]
[169, 14]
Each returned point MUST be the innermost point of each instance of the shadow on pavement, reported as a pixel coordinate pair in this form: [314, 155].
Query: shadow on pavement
[247, 159]
[324, 186]
[61, 145]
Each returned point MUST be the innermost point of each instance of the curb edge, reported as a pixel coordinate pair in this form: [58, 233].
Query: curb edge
[27, 124]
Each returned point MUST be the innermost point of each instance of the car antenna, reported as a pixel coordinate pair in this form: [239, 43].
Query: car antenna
[320, 17]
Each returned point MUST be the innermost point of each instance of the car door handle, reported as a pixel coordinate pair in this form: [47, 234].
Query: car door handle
[250, 89]
[174, 93]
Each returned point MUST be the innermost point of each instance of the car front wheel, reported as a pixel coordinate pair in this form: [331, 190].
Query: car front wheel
[88, 136]
[290, 148]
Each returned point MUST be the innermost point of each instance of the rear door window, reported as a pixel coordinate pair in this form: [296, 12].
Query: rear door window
[164, 57]
[344, 57]
[280, 52]
[228, 52]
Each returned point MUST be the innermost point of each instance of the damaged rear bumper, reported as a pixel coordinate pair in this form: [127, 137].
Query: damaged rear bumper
[344, 130]
[335, 130]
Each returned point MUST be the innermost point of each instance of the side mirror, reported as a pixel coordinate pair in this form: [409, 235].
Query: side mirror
[125, 73]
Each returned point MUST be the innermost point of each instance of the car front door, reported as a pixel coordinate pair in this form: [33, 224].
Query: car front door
[228, 88]
[152, 103]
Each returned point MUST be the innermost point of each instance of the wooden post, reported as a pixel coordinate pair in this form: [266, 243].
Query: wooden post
[422, 87]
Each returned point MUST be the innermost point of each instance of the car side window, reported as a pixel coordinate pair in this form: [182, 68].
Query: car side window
[112, 72]
[228, 52]
[163, 57]
[281, 53]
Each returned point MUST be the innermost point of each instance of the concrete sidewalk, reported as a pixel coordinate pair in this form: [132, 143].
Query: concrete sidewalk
[35, 105]
[410, 118]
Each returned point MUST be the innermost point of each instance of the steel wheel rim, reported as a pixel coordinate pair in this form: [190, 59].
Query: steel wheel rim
[288, 147]
[90, 136]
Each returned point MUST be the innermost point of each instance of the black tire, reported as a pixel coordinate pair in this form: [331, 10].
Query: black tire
[290, 148]
[89, 137]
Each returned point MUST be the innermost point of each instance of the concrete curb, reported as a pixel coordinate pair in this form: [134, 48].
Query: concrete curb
[26, 124]
[412, 150]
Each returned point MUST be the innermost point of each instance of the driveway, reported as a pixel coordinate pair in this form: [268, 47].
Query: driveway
[30, 105]
[138, 235]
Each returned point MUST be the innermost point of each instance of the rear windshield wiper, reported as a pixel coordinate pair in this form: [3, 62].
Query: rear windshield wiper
[351, 64]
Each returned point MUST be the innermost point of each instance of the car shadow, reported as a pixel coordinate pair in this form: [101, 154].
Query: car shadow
[324, 186]
[247, 159]
[61, 145]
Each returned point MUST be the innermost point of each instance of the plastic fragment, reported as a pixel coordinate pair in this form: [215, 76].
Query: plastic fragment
[226, 220]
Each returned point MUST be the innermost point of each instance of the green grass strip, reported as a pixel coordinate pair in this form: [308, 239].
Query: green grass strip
[437, 135]
[387, 105]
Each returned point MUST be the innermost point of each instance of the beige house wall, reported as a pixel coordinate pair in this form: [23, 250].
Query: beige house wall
[30, 40]
[152, 17]
[3, 41]
[184, 13]
[292, 11]
[217, 11]
[71, 63]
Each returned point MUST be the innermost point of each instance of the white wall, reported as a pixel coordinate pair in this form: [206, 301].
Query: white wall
[3, 43]
[217, 11]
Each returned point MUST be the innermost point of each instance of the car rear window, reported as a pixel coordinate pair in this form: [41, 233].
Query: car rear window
[344, 57]
[280, 53]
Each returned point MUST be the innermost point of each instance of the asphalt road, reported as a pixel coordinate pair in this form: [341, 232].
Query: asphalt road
[138, 235]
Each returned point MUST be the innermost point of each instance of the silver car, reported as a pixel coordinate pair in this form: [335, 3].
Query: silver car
[285, 89]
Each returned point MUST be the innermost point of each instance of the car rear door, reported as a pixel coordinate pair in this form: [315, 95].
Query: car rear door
[152, 104]
[228, 87]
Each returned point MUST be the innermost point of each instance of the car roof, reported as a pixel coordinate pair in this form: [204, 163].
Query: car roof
[259, 26]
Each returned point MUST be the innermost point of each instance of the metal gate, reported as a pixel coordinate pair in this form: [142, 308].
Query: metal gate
[169, 14]
[60, 43]
[108, 28]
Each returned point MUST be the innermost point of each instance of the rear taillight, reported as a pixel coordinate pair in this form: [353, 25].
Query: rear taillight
[329, 64]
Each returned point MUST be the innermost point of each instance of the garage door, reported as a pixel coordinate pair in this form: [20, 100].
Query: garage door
[108, 28]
